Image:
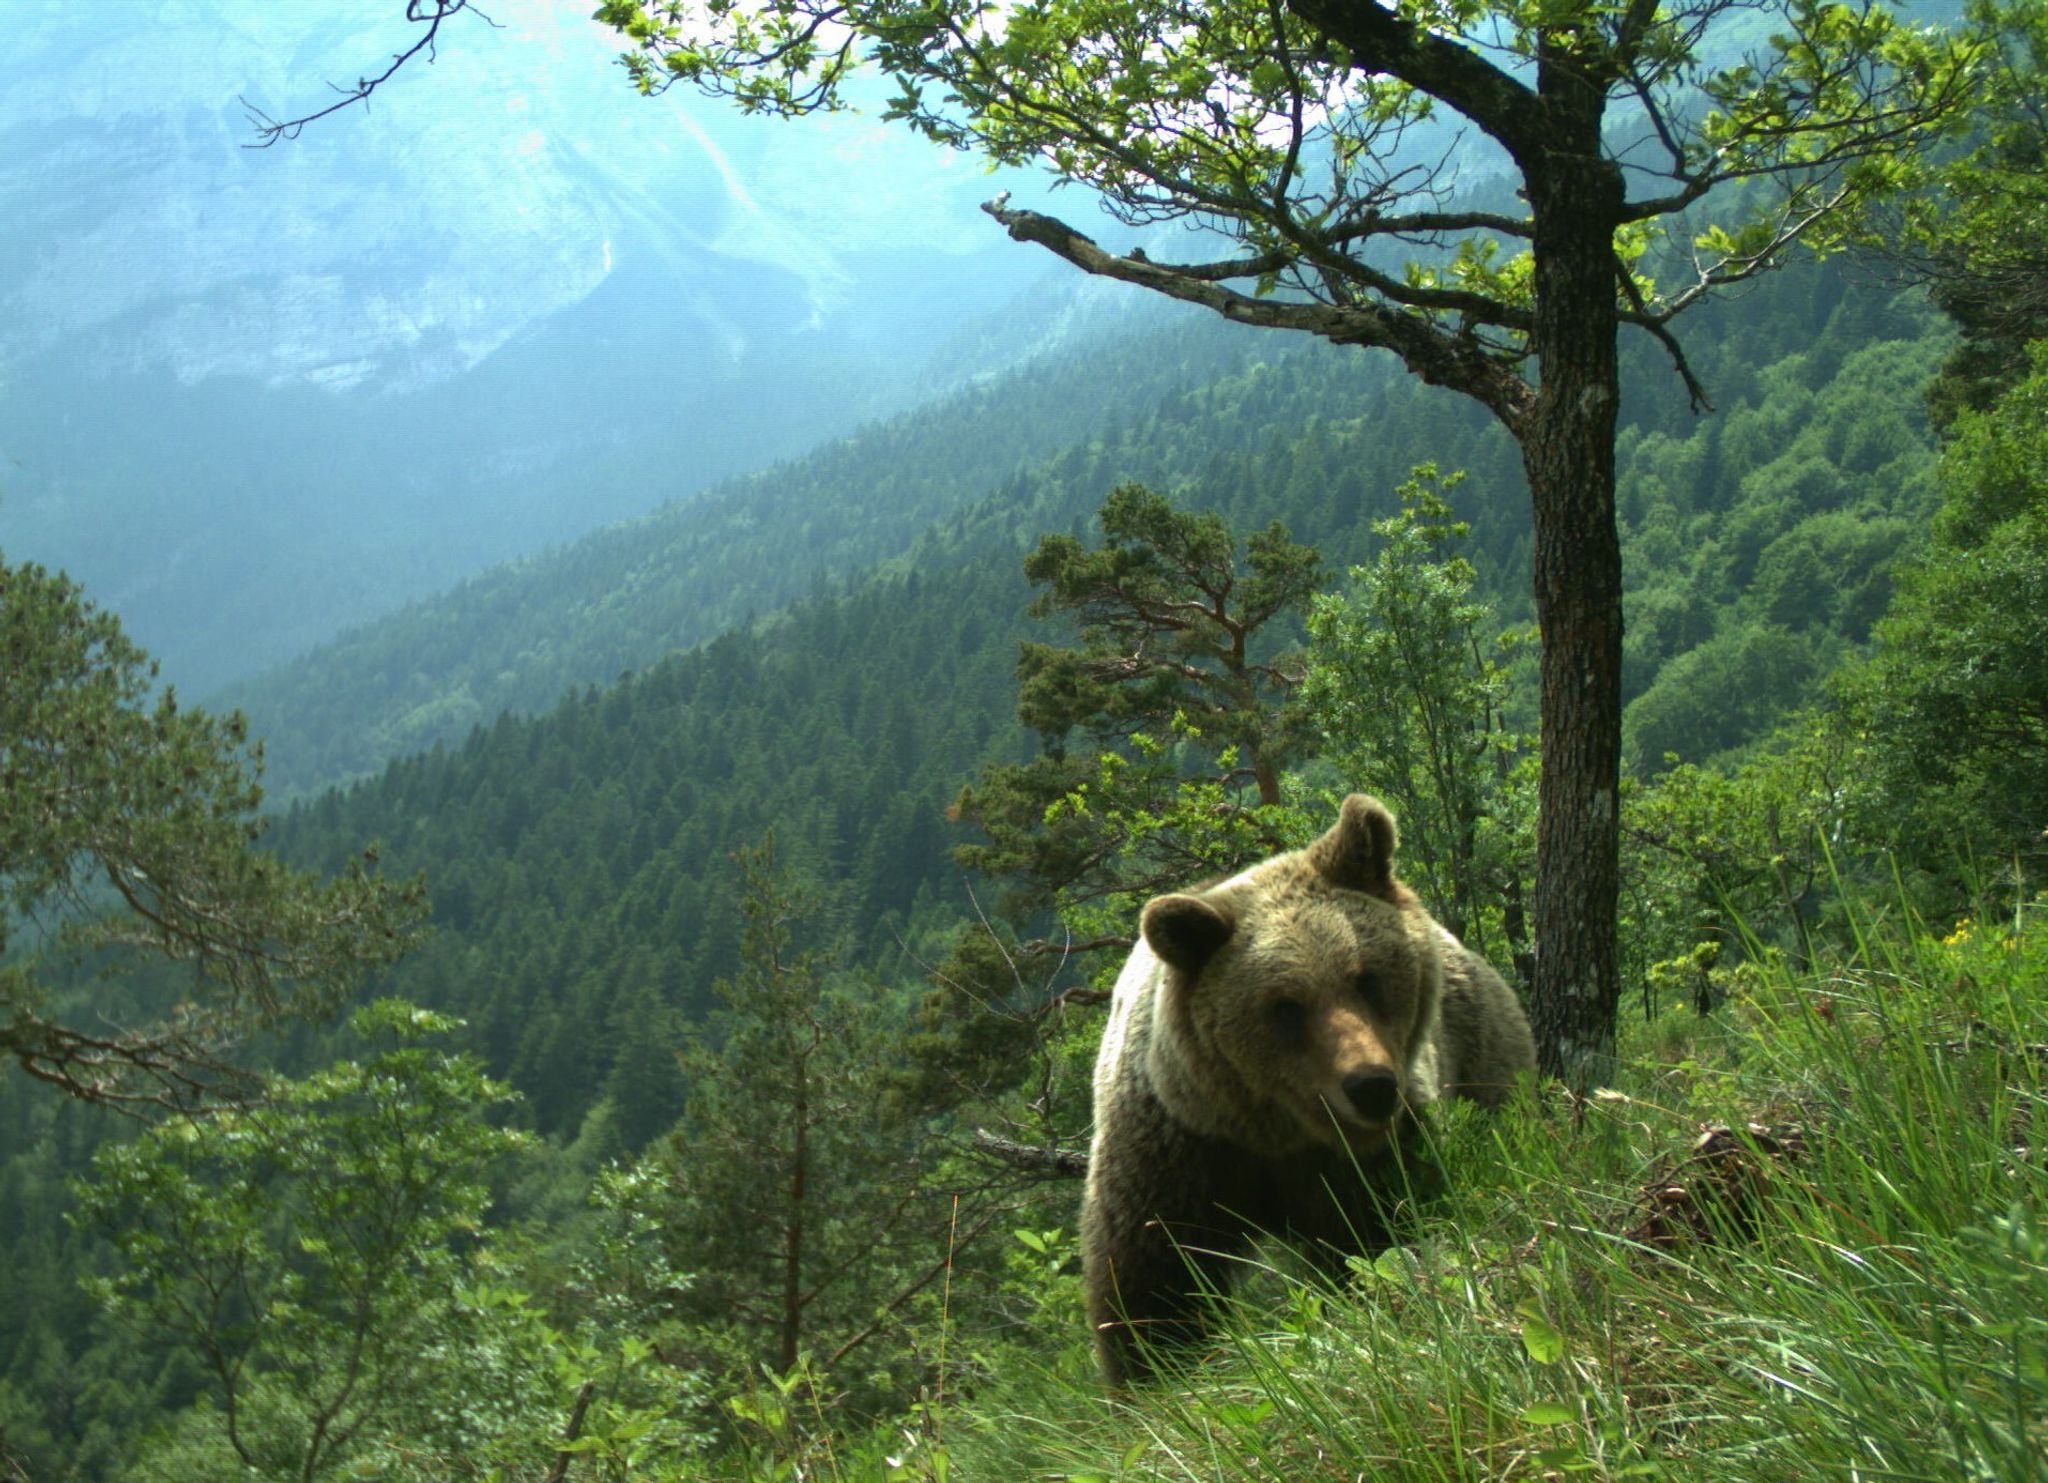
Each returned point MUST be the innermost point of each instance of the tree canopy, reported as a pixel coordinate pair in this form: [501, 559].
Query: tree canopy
[1320, 136]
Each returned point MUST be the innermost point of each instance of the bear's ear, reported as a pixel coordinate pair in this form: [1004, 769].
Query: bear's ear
[1358, 851]
[1185, 930]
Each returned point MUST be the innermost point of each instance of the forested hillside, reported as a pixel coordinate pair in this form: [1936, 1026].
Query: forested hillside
[1316, 435]
[583, 858]
[844, 635]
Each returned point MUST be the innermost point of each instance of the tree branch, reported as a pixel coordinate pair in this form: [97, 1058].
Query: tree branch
[1043, 947]
[559, 1468]
[177, 1068]
[1436, 355]
[1380, 40]
[1640, 314]
[1792, 226]
[1052, 1163]
[895, 1304]
[1322, 250]
[431, 13]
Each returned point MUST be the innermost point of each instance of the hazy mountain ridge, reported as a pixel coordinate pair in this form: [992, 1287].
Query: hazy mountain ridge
[517, 636]
[251, 397]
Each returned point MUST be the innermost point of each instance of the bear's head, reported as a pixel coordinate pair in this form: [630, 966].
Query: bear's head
[1299, 999]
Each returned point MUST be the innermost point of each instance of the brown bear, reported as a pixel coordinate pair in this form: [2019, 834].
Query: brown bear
[1267, 1043]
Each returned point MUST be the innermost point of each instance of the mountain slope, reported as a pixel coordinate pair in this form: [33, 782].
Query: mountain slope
[519, 636]
[1254, 424]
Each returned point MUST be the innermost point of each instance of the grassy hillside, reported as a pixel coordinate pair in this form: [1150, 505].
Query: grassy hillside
[1803, 1238]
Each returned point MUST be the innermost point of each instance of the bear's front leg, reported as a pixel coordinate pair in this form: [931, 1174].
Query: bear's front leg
[1160, 1225]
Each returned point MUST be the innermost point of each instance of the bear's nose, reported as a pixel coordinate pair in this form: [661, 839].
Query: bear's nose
[1373, 1092]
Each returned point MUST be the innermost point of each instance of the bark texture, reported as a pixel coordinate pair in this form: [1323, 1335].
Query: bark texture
[1576, 200]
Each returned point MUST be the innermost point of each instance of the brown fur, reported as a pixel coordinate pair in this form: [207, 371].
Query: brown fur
[1268, 1039]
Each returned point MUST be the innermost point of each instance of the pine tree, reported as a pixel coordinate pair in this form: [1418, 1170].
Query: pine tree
[1180, 671]
[797, 1203]
[128, 833]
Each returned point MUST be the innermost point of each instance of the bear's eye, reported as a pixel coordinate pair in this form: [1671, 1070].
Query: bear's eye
[1289, 1016]
[1371, 988]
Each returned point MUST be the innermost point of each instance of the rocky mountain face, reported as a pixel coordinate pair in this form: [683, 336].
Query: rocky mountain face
[250, 396]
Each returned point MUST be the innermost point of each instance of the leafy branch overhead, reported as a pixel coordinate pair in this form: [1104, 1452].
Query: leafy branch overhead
[1308, 133]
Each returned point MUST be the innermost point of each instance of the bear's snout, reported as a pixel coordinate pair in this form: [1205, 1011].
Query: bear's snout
[1373, 1093]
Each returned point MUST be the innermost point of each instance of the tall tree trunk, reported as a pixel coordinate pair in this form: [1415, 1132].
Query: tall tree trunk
[1568, 454]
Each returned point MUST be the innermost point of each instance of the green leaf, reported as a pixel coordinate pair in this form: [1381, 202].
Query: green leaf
[1547, 1413]
[1545, 1345]
[1269, 78]
[1396, 1264]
